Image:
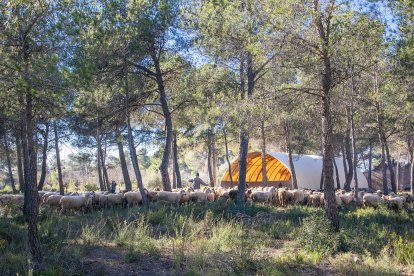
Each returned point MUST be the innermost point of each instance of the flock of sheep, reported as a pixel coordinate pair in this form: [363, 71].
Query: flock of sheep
[269, 195]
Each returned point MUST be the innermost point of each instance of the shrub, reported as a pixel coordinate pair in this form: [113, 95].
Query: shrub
[92, 235]
[403, 251]
[136, 238]
[318, 235]
[90, 187]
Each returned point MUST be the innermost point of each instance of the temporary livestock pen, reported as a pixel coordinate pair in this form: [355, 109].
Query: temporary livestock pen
[308, 170]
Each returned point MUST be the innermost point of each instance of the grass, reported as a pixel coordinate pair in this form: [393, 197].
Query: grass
[213, 239]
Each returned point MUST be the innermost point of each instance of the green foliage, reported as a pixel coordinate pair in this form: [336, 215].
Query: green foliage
[403, 250]
[90, 187]
[318, 235]
[198, 238]
[92, 234]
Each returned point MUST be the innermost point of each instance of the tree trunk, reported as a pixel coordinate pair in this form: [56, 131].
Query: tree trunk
[19, 160]
[174, 185]
[58, 164]
[370, 165]
[227, 156]
[104, 171]
[31, 204]
[124, 167]
[9, 167]
[390, 166]
[98, 159]
[44, 158]
[209, 154]
[168, 124]
[397, 173]
[338, 182]
[244, 145]
[412, 172]
[353, 139]
[344, 159]
[349, 155]
[176, 166]
[244, 133]
[384, 169]
[214, 159]
[321, 181]
[326, 84]
[264, 155]
[132, 150]
[328, 181]
[288, 141]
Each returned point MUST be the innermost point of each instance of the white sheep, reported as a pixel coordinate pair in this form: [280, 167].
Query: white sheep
[133, 198]
[46, 195]
[76, 202]
[54, 200]
[198, 196]
[346, 198]
[395, 203]
[173, 197]
[371, 200]
[262, 196]
[296, 196]
[115, 199]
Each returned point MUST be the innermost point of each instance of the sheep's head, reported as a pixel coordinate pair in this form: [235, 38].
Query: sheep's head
[184, 196]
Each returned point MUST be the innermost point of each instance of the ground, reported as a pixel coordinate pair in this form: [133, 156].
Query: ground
[212, 239]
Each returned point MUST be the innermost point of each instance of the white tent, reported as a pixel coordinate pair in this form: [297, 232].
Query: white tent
[308, 169]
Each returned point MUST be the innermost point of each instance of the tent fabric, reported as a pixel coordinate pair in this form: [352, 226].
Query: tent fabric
[308, 169]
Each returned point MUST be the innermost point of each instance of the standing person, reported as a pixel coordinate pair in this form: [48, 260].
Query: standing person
[113, 186]
[197, 181]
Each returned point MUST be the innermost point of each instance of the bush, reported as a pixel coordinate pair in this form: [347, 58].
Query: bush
[318, 235]
[90, 187]
[92, 234]
[403, 251]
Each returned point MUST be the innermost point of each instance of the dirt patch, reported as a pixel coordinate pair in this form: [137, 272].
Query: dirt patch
[111, 260]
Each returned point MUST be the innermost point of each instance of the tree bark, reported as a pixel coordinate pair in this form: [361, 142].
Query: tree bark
[19, 160]
[104, 171]
[31, 204]
[383, 164]
[209, 154]
[9, 167]
[244, 145]
[348, 150]
[264, 155]
[390, 166]
[174, 185]
[397, 173]
[344, 158]
[338, 182]
[384, 168]
[370, 165]
[288, 141]
[227, 156]
[98, 159]
[326, 83]
[124, 167]
[321, 181]
[132, 150]
[176, 166]
[353, 139]
[58, 164]
[168, 123]
[244, 133]
[412, 172]
[214, 159]
[44, 158]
